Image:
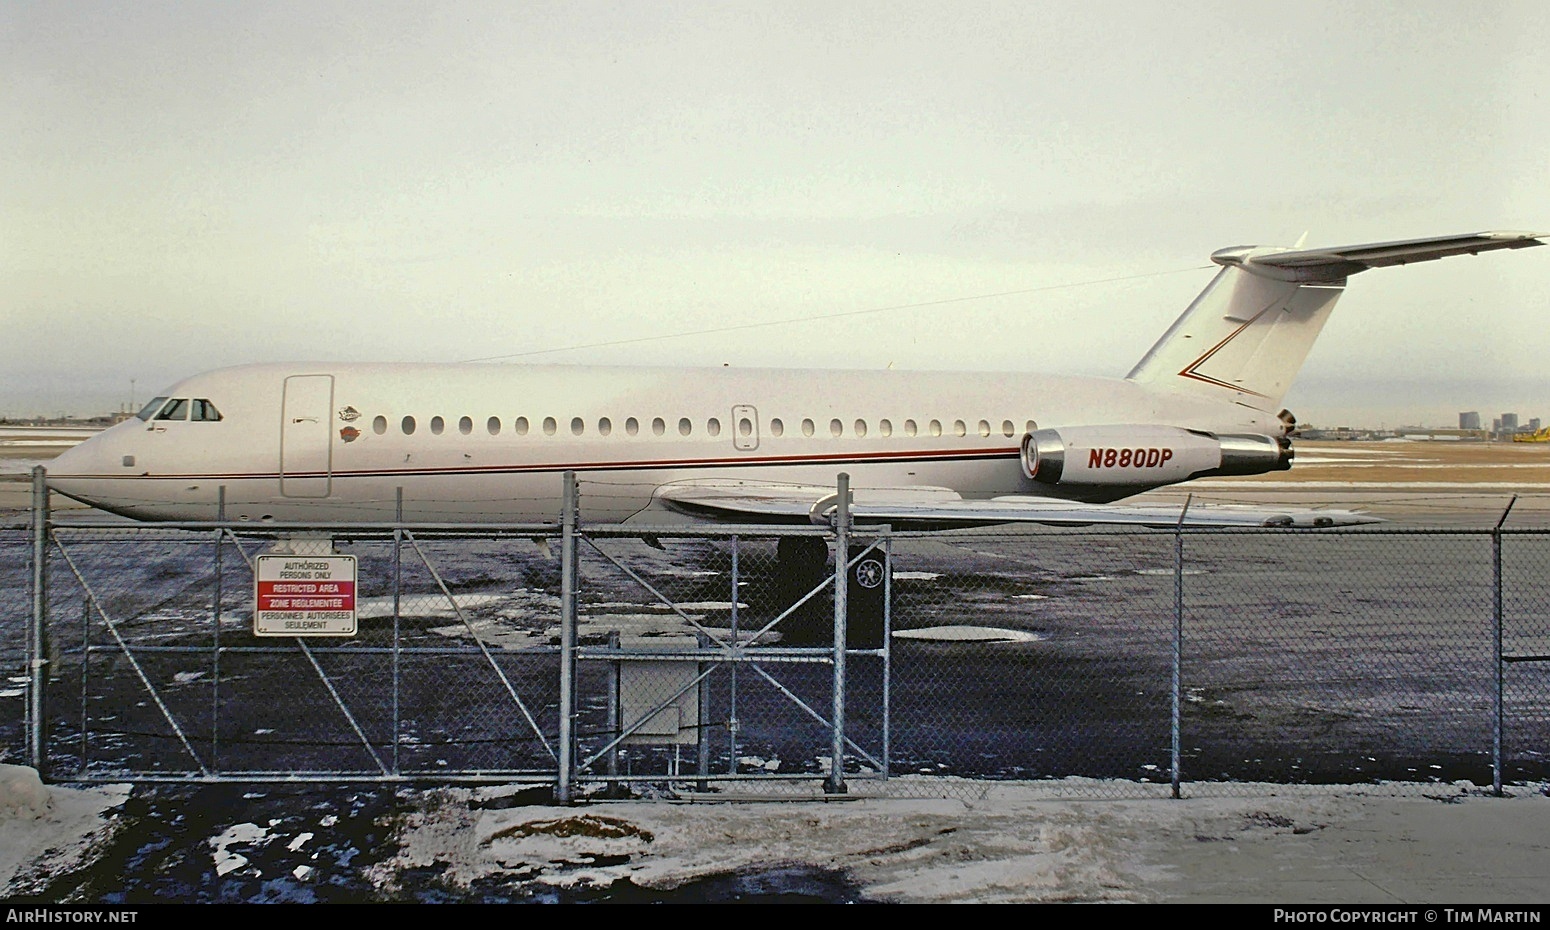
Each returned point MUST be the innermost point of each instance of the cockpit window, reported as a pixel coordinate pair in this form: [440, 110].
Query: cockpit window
[149, 410]
[180, 408]
[176, 409]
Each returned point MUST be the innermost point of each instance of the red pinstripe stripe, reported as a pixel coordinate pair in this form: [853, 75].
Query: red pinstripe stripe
[632, 465]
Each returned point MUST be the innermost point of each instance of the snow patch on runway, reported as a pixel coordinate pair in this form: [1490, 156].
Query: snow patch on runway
[969, 634]
[431, 605]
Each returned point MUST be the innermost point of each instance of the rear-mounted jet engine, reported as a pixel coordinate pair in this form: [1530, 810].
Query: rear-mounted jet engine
[1146, 455]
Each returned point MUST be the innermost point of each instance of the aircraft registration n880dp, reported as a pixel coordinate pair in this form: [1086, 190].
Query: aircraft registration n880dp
[487, 443]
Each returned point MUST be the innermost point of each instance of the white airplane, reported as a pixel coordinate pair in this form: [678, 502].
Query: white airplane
[483, 443]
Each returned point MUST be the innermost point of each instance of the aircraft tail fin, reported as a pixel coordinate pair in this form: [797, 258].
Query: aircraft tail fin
[1247, 334]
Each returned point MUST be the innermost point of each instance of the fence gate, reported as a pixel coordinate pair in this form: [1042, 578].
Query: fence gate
[728, 671]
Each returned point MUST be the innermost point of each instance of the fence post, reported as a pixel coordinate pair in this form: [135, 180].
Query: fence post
[567, 751]
[615, 723]
[220, 518]
[1178, 637]
[398, 577]
[1496, 649]
[887, 756]
[215, 633]
[38, 660]
[737, 646]
[702, 724]
[835, 783]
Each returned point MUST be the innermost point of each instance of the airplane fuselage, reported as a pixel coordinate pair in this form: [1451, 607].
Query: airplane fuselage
[491, 443]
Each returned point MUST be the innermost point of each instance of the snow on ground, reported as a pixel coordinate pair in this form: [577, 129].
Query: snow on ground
[50, 828]
[988, 842]
[1022, 842]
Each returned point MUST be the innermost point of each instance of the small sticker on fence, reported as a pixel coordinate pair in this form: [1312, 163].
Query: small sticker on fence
[304, 595]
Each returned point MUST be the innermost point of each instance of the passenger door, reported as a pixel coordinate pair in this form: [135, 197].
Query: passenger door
[305, 450]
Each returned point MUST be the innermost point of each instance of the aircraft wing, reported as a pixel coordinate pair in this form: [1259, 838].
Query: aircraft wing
[939, 508]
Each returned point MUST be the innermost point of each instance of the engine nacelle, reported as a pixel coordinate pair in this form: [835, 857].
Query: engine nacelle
[1148, 456]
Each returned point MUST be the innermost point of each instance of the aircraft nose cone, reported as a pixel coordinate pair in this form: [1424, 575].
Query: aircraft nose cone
[80, 459]
[78, 469]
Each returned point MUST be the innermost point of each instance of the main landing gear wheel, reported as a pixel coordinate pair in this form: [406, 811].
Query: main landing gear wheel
[801, 564]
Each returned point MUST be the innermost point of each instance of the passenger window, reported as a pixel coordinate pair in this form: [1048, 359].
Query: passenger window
[149, 410]
[1007, 429]
[550, 426]
[744, 427]
[836, 428]
[379, 425]
[861, 428]
[493, 426]
[465, 425]
[909, 427]
[960, 428]
[176, 409]
[577, 426]
[713, 427]
[685, 427]
[985, 428]
[936, 428]
[807, 428]
[604, 426]
[520, 426]
[1032, 426]
[658, 427]
[407, 425]
[631, 426]
[205, 411]
[437, 425]
[777, 428]
[885, 428]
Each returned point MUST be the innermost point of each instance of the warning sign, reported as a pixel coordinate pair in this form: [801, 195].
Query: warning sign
[304, 595]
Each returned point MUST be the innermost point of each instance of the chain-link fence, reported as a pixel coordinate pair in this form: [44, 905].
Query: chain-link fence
[690, 659]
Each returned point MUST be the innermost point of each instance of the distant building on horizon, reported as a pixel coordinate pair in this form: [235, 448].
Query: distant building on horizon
[1509, 422]
[1469, 420]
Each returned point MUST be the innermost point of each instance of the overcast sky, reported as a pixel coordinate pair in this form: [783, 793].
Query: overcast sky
[192, 185]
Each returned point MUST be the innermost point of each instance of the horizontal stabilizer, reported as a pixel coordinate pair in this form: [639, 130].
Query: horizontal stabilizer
[1332, 265]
